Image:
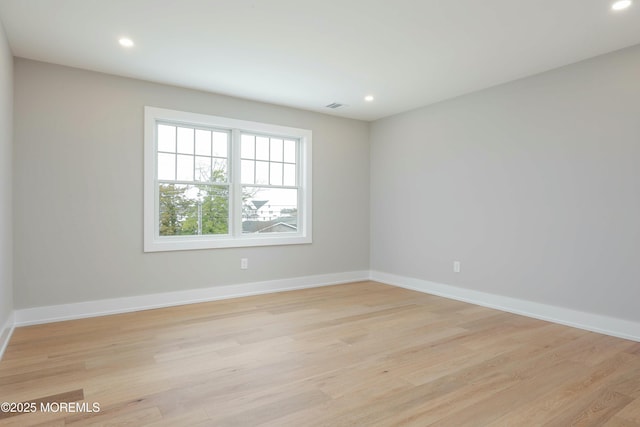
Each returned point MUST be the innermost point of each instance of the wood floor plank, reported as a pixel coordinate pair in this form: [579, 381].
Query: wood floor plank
[595, 412]
[584, 385]
[631, 412]
[360, 354]
[432, 411]
[620, 422]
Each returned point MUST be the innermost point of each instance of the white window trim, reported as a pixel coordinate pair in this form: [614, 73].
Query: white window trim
[154, 243]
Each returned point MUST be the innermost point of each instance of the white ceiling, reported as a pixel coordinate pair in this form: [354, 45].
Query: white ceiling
[307, 54]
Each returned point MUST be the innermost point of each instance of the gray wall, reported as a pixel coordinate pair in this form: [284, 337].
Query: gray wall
[6, 172]
[534, 186]
[78, 191]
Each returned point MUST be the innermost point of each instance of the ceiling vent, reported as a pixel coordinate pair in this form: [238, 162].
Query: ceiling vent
[334, 105]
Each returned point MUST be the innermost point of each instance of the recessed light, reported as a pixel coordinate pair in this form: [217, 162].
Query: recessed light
[368, 98]
[125, 42]
[621, 4]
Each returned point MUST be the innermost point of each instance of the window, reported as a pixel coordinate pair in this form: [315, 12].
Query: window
[214, 182]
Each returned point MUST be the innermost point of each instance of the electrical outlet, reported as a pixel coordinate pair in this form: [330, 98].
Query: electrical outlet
[244, 263]
[456, 266]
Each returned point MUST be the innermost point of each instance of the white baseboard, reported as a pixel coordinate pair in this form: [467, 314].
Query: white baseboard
[592, 322]
[5, 333]
[56, 313]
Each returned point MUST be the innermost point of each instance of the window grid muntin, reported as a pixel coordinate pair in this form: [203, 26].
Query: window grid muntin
[255, 160]
[176, 153]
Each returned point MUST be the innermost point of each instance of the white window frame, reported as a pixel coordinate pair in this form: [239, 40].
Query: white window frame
[153, 242]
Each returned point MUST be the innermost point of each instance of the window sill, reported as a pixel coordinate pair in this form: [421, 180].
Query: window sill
[181, 243]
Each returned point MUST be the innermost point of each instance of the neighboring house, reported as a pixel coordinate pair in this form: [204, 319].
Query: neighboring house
[278, 225]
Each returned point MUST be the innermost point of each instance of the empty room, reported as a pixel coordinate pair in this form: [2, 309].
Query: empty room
[319, 213]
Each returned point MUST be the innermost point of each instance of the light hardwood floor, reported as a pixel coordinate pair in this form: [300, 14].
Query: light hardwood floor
[362, 354]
